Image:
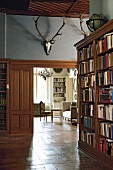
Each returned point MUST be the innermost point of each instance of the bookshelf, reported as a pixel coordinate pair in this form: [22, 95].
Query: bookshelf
[3, 96]
[59, 90]
[95, 91]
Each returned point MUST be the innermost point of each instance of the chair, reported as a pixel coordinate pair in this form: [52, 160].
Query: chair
[73, 109]
[70, 111]
[44, 113]
[36, 109]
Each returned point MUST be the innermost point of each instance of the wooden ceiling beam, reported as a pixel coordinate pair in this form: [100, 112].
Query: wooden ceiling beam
[60, 8]
[28, 5]
[52, 8]
[71, 6]
[33, 13]
[53, 1]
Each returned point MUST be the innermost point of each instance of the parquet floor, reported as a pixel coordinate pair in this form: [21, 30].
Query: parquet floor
[53, 146]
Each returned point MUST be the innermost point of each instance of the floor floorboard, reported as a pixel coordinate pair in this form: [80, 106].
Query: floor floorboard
[53, 146]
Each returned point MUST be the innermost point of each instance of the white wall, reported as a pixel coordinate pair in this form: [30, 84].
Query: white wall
[23, 42]
[107, 8]
[104, 7]
[2, 36]
[95, 7]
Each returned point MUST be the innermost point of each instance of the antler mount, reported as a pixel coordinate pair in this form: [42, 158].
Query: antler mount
[48, 43]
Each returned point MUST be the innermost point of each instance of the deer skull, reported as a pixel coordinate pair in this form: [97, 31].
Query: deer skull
[47, 47]
[48, 43]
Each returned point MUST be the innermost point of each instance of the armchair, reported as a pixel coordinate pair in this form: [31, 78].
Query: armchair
[70, 111]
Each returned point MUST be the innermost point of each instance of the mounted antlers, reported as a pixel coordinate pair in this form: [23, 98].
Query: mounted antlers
[48, 43]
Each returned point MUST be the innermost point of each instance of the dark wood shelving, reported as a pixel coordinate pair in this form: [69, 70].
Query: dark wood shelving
[4, 94]
[87, 73]
[104, 52]
[91, 102]
[99, 49]
[83, 127]
[85, 60]
[92, 151]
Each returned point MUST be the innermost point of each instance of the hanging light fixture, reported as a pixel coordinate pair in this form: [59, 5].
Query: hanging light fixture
[45, 73]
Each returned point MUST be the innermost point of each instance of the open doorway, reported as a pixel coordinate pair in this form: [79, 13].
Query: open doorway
[60, 86]
[21, 92]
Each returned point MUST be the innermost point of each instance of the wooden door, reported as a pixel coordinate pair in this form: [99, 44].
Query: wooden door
[21, 99]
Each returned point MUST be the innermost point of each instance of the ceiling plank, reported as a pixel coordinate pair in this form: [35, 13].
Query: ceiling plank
[52, 8]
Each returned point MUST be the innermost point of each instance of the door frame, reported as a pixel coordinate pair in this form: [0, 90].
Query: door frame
[45, 64]
[48, 63]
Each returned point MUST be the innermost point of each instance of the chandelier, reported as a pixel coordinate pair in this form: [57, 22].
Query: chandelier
[45, 73]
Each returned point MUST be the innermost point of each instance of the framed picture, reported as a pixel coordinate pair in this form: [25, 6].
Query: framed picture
[57, 70]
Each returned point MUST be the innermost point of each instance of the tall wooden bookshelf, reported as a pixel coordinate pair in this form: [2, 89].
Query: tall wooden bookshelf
[59, 89]
[95, 91]
[4, 95]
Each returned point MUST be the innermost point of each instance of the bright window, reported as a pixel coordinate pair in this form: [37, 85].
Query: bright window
[39, 86]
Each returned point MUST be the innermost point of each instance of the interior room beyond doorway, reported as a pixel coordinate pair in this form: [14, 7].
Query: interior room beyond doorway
[60, 86]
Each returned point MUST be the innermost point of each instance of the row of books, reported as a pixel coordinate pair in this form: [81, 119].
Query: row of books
[87, 81]
[2, 88]
[58, 95]
[106, 146]
[59, 84]
[88, 137]
[86, 67]
[2, 76]
[87, 109]
[2, 101]
[3, 65]
[105, 112]
[106, 129]
[3, 83]
[88, 121]
[105, 61]
[2, 116]
[86, 53]
[105, 43]
[59, 89]
[59, 79]
[2, 108]
[87, 95]
[2, 94]
[104, 78]
[3, 126]
[2, 70]
[2, 121]
[105, 94]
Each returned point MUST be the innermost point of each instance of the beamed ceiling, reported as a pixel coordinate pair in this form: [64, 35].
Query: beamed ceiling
[53, 8]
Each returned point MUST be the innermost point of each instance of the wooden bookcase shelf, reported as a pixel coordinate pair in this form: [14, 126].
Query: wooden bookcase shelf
[96, 153]
[4, 96]
[95, 91]
[59, 89]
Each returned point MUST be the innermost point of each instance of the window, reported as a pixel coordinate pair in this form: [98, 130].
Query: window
[39, 86]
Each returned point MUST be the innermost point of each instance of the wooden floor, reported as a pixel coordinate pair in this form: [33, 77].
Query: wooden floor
[53, 146]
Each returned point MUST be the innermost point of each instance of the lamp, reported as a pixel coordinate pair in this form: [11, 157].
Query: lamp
[95, 22]
[45, 73]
